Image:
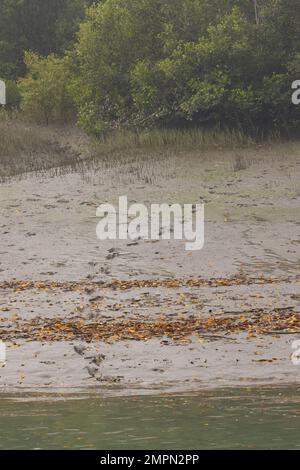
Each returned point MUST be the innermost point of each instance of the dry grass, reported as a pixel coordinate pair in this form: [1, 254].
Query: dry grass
[28, 148]
[174, 139]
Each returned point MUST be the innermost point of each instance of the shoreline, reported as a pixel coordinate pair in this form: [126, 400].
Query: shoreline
[151, 368]
[58, 283]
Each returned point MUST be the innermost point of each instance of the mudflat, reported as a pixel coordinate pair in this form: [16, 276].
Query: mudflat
[119, 317]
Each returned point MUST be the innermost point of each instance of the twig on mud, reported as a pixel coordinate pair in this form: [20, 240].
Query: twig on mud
[215, 336]
[281, 332]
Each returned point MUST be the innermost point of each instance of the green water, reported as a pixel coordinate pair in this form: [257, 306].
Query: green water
[227, 419]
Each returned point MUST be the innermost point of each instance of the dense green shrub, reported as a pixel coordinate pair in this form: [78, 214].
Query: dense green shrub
[45, 94]
[155, 63]
[188, 63]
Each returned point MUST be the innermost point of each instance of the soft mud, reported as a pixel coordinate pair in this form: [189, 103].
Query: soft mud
[250, 263]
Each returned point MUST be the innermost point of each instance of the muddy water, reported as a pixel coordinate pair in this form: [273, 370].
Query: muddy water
[226, 419]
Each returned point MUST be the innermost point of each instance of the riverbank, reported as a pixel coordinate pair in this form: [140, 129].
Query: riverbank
[165, 319]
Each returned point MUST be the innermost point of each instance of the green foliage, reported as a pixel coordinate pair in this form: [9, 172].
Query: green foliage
[151, 63]
[44, 90]
[114, 35]
[188, 62]
[41, 26]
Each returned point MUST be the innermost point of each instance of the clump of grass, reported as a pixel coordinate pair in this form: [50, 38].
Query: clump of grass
[240, 163]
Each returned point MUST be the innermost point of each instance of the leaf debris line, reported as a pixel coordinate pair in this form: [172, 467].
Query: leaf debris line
[53, 330]
[21, 285]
